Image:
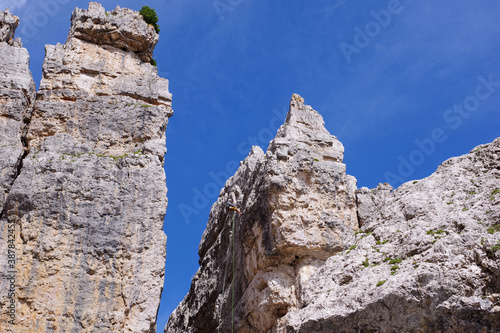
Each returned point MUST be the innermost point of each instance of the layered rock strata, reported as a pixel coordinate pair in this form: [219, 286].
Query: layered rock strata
[90, 198]
[298, 207]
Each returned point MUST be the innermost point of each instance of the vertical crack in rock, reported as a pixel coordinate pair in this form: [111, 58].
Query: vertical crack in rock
[17, 96]
[90, 198]
[298, 207]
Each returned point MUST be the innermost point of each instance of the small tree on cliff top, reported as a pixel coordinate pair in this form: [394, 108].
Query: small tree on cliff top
[149, 15]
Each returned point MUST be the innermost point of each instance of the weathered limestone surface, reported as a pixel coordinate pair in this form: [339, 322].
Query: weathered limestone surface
[17, 96]
[424, 259]
[298, 206]
[442, 234]
[90, 198]
[122, 28]
[8, 26]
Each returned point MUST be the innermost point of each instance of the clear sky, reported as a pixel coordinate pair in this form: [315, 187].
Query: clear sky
[404, 85]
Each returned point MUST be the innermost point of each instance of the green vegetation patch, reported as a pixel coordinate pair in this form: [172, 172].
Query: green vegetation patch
[395, 261]
[494, 229]
[435, 232]
[149, 15]
[366, 263]
[495, 248]
[380, 283]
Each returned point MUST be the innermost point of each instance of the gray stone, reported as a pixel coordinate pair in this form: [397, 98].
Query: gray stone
[298, 206]
[121, 28]
[442, 228]
[17, 97]
[89, 198]
[424, 259]
[8, 26]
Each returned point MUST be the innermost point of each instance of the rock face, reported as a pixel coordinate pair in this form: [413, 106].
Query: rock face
[90, 197]
[8, 26]
[17, 96]
[312, 254]
[426, 260]
[298, 206]
[122, 28]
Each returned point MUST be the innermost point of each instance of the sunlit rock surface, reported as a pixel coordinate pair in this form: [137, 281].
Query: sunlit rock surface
[313, 254]
[90, 196]
[299, 207]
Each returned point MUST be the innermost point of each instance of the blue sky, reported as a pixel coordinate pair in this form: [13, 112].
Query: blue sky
[403, 84]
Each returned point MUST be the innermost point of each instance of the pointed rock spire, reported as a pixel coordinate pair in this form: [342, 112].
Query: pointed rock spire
[305, 127]
[298, 209]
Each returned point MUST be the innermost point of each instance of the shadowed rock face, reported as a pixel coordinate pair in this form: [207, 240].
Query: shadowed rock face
[89, 200]
[424, 259]
[298, 206]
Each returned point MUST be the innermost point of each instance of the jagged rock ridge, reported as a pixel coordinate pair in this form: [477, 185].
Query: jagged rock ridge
[315, 255]
[90, 197]
[426, 258]
[298, 207]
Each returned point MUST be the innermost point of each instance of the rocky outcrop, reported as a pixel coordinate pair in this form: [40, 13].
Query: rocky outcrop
[312, 254]
[17, 96]
[298, 207]
[8, 26]
[121, 28]
[90, 198]
[426, 258]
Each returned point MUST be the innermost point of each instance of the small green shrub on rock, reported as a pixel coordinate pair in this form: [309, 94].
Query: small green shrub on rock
[149, 15]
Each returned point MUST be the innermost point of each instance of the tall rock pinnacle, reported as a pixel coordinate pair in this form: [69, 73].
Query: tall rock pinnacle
[89, 201]
[298, 208]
